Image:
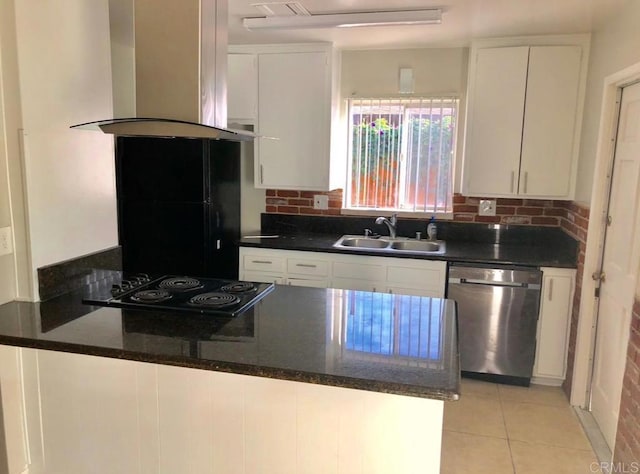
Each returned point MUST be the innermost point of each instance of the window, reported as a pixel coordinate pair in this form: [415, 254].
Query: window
[401, 154]
[403, 330]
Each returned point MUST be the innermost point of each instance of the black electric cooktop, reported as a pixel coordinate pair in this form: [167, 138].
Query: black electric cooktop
[183, 293]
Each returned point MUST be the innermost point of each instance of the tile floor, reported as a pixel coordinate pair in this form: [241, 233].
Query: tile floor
[503, 429]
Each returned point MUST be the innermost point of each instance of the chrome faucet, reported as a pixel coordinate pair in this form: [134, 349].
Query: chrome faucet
[390, 223]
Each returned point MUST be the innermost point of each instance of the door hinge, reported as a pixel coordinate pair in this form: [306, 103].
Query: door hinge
[609, 220]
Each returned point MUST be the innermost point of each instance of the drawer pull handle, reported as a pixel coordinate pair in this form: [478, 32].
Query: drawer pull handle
[262, 261]
[551, 289]
[306, 265]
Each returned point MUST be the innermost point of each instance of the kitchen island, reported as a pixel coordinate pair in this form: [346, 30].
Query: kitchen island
[307, 380]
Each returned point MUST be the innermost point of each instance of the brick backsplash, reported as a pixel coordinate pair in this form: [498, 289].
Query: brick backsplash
[301, 202]
[465, 209]
[627, 447]
[575, 223]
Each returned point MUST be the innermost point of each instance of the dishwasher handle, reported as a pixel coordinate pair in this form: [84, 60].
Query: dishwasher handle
[472, 281]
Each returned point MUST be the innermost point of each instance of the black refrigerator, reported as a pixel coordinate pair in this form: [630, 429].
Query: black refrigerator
[178, 205]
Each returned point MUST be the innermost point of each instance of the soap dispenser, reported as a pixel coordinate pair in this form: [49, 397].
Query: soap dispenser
[432, 229]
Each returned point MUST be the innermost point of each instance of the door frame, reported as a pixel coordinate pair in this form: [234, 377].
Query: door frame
[585, 339]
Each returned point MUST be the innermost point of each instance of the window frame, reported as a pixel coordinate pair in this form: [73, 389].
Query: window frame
[454, 99]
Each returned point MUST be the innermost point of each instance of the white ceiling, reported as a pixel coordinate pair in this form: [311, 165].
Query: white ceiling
[462, 20]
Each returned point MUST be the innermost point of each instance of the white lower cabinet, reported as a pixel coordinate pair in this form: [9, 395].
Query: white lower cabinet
[101, 415]
[350, 272]
[556, 303]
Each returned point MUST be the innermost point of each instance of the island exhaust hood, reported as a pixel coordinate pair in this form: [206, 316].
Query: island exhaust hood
[180, 63]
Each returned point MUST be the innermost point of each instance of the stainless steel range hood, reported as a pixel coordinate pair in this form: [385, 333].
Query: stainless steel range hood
[180, 64]
[158, 127]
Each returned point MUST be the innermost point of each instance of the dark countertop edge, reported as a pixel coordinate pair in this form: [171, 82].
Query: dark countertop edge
[324, 247]
[393, 388]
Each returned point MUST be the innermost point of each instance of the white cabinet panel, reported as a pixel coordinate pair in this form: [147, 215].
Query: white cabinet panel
[549, 120]
[308, 282]
[88, 409]
[307, 266]
[422, 278]
[242, 88]
[350, 272]
[399, 290]
[556, 303]
[524, 117]
[261, 277]
[262, 262]
[359, 268]
[12, 408]
[270, 426]
[495, 121]
[302, 131]
[355, 284]
[108, 415]
[294, 107]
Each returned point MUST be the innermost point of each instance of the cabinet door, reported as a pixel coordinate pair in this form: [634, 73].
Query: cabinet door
[294, 99]
[550, 120]
[419, 277]
[553, 324]
[360, 285]
[496, 110]
[398, 290]
[309, 282]
[261, 277]
[242, 87]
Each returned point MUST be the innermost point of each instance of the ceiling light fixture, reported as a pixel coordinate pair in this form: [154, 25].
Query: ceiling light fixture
[346, 20]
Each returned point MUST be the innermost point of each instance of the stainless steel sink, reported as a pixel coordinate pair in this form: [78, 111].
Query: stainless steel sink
[417, 245]
[364, 242]
[389, 246]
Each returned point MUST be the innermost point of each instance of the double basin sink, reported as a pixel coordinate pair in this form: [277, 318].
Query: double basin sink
[391, 245]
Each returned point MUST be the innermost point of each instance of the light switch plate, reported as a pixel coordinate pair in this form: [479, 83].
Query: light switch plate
[487, 207]
[320, 201]
[6, 242]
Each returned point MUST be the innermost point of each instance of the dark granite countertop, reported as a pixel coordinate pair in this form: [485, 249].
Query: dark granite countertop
[403, 345]
[536, 246]
[543, 255]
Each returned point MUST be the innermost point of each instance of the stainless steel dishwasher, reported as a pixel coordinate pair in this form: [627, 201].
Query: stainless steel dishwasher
[497, 320]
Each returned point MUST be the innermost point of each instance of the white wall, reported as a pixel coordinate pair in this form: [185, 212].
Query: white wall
[65, 79]
[374, 73]
[614, 46]
[14, 271]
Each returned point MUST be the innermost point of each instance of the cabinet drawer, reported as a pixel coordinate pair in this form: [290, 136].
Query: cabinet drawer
[264, 263]
[358, 271]
[302, 266]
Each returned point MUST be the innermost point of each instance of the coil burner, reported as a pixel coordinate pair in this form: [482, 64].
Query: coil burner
[151, 296]
[214, 300]
[180, 284]
[239, 287]
[214, 296]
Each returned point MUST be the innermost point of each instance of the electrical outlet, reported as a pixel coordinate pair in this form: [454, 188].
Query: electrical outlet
[320, 201]
[6, 243]
[487, 207]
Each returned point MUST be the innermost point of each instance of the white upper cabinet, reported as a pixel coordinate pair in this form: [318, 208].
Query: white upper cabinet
[550, 121]
[301, 143]
[495, 121]
[242, 88]
[524, 116]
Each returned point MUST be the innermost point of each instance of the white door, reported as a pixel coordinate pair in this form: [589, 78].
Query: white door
[620, 265]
